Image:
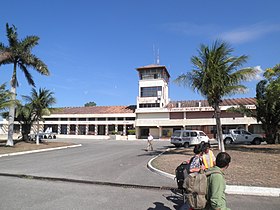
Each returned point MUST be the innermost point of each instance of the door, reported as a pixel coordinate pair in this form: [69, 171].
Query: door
[203, 137]
[186, 136]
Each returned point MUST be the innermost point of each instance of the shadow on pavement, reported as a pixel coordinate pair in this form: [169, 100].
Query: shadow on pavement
[159, 206]
[177, 198]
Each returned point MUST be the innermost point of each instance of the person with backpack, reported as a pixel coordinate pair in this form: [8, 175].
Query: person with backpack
[208, 157]
[196, 163]
[206, 189]
[216, 184]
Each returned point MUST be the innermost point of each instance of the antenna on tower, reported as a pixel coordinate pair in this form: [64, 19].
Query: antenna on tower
[154, 51]
[158, 58]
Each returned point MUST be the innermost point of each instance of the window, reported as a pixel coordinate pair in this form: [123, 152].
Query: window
[111, 119]
[186, 134]
[63, 119]
[82, 119]
[176, 115]
[202, 134]
[149, 105]
[236, 132]
[51, 119]
[150, 91]
[91, 119]
[130, 118]
[101, 119]
[193, 134]
[246, 133]
[73, 119]
[63, 129]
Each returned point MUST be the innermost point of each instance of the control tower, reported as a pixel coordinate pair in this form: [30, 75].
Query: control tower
[153, 86]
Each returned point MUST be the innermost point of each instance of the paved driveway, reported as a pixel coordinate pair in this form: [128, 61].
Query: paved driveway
[107, 161]
[98, 160]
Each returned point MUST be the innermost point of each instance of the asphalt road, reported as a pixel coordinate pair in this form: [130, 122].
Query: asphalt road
[103, 161]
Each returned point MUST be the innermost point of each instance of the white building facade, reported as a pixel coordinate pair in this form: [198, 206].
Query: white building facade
[153, 113]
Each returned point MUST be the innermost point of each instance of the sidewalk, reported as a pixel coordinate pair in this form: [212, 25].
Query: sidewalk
[39, 150]
[230, 189]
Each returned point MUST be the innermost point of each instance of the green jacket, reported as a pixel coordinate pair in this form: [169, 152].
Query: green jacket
[216, 198]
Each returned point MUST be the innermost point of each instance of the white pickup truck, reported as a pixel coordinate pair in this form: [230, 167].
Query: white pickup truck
[241, 136]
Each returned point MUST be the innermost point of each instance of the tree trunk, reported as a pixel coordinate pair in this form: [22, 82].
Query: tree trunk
[219, 128]
[10, 141]
[37, 137]
[25, 131]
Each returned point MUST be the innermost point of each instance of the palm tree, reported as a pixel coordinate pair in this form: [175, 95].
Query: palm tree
[5, 97]
[215, 75]
[18, 53]
[41, 103]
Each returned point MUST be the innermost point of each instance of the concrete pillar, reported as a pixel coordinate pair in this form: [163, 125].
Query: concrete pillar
[137, 132]
[96, 130]
[77, 129]
[116, 128]
[68, 129]
[106, 130]
[124, 130]
[160, 131]
[87, 129]
[58, 128]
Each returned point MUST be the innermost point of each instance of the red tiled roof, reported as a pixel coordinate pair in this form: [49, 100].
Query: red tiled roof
[204, 103]
[95, 110]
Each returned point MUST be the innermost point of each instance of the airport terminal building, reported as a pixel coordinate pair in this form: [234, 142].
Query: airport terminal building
[153, 113]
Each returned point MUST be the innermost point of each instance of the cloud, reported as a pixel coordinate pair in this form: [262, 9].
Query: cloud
[258, 76]
[249, 33]
[235, 35]
[259, 73]
[190, 28]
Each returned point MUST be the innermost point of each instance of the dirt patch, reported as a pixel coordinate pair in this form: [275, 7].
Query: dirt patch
[27, 146]
[251, 165]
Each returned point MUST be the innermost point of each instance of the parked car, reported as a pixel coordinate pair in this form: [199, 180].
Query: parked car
[187, 138]
[241, 136]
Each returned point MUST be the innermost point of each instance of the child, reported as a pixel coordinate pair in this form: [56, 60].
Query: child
[196, 163]
[208, 157]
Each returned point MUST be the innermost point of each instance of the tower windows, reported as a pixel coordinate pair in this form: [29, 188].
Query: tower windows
[150, 91]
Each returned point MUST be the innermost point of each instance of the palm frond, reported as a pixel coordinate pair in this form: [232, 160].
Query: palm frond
[27, 74]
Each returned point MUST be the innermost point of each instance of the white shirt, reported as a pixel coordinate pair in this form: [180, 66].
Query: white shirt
[150, 137]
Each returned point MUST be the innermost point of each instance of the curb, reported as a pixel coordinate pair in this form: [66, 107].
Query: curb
[230, 189]
[40, 150]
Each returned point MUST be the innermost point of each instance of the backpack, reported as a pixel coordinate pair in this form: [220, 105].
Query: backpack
[196, 188]
[181, 172]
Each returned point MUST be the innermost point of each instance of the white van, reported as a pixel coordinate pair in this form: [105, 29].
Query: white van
[188, 137]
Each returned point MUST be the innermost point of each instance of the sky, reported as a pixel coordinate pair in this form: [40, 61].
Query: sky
[92, 48]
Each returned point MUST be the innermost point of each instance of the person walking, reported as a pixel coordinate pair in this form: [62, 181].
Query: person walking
[208, 157]
[150, 142]
[216, 198]
[196, 163]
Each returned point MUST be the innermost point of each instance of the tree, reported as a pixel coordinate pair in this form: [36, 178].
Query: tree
[5, 97]
[91, 103]
[24, 115]
[267, 104]
[40, 103]
[216, 75]
[18, 53]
